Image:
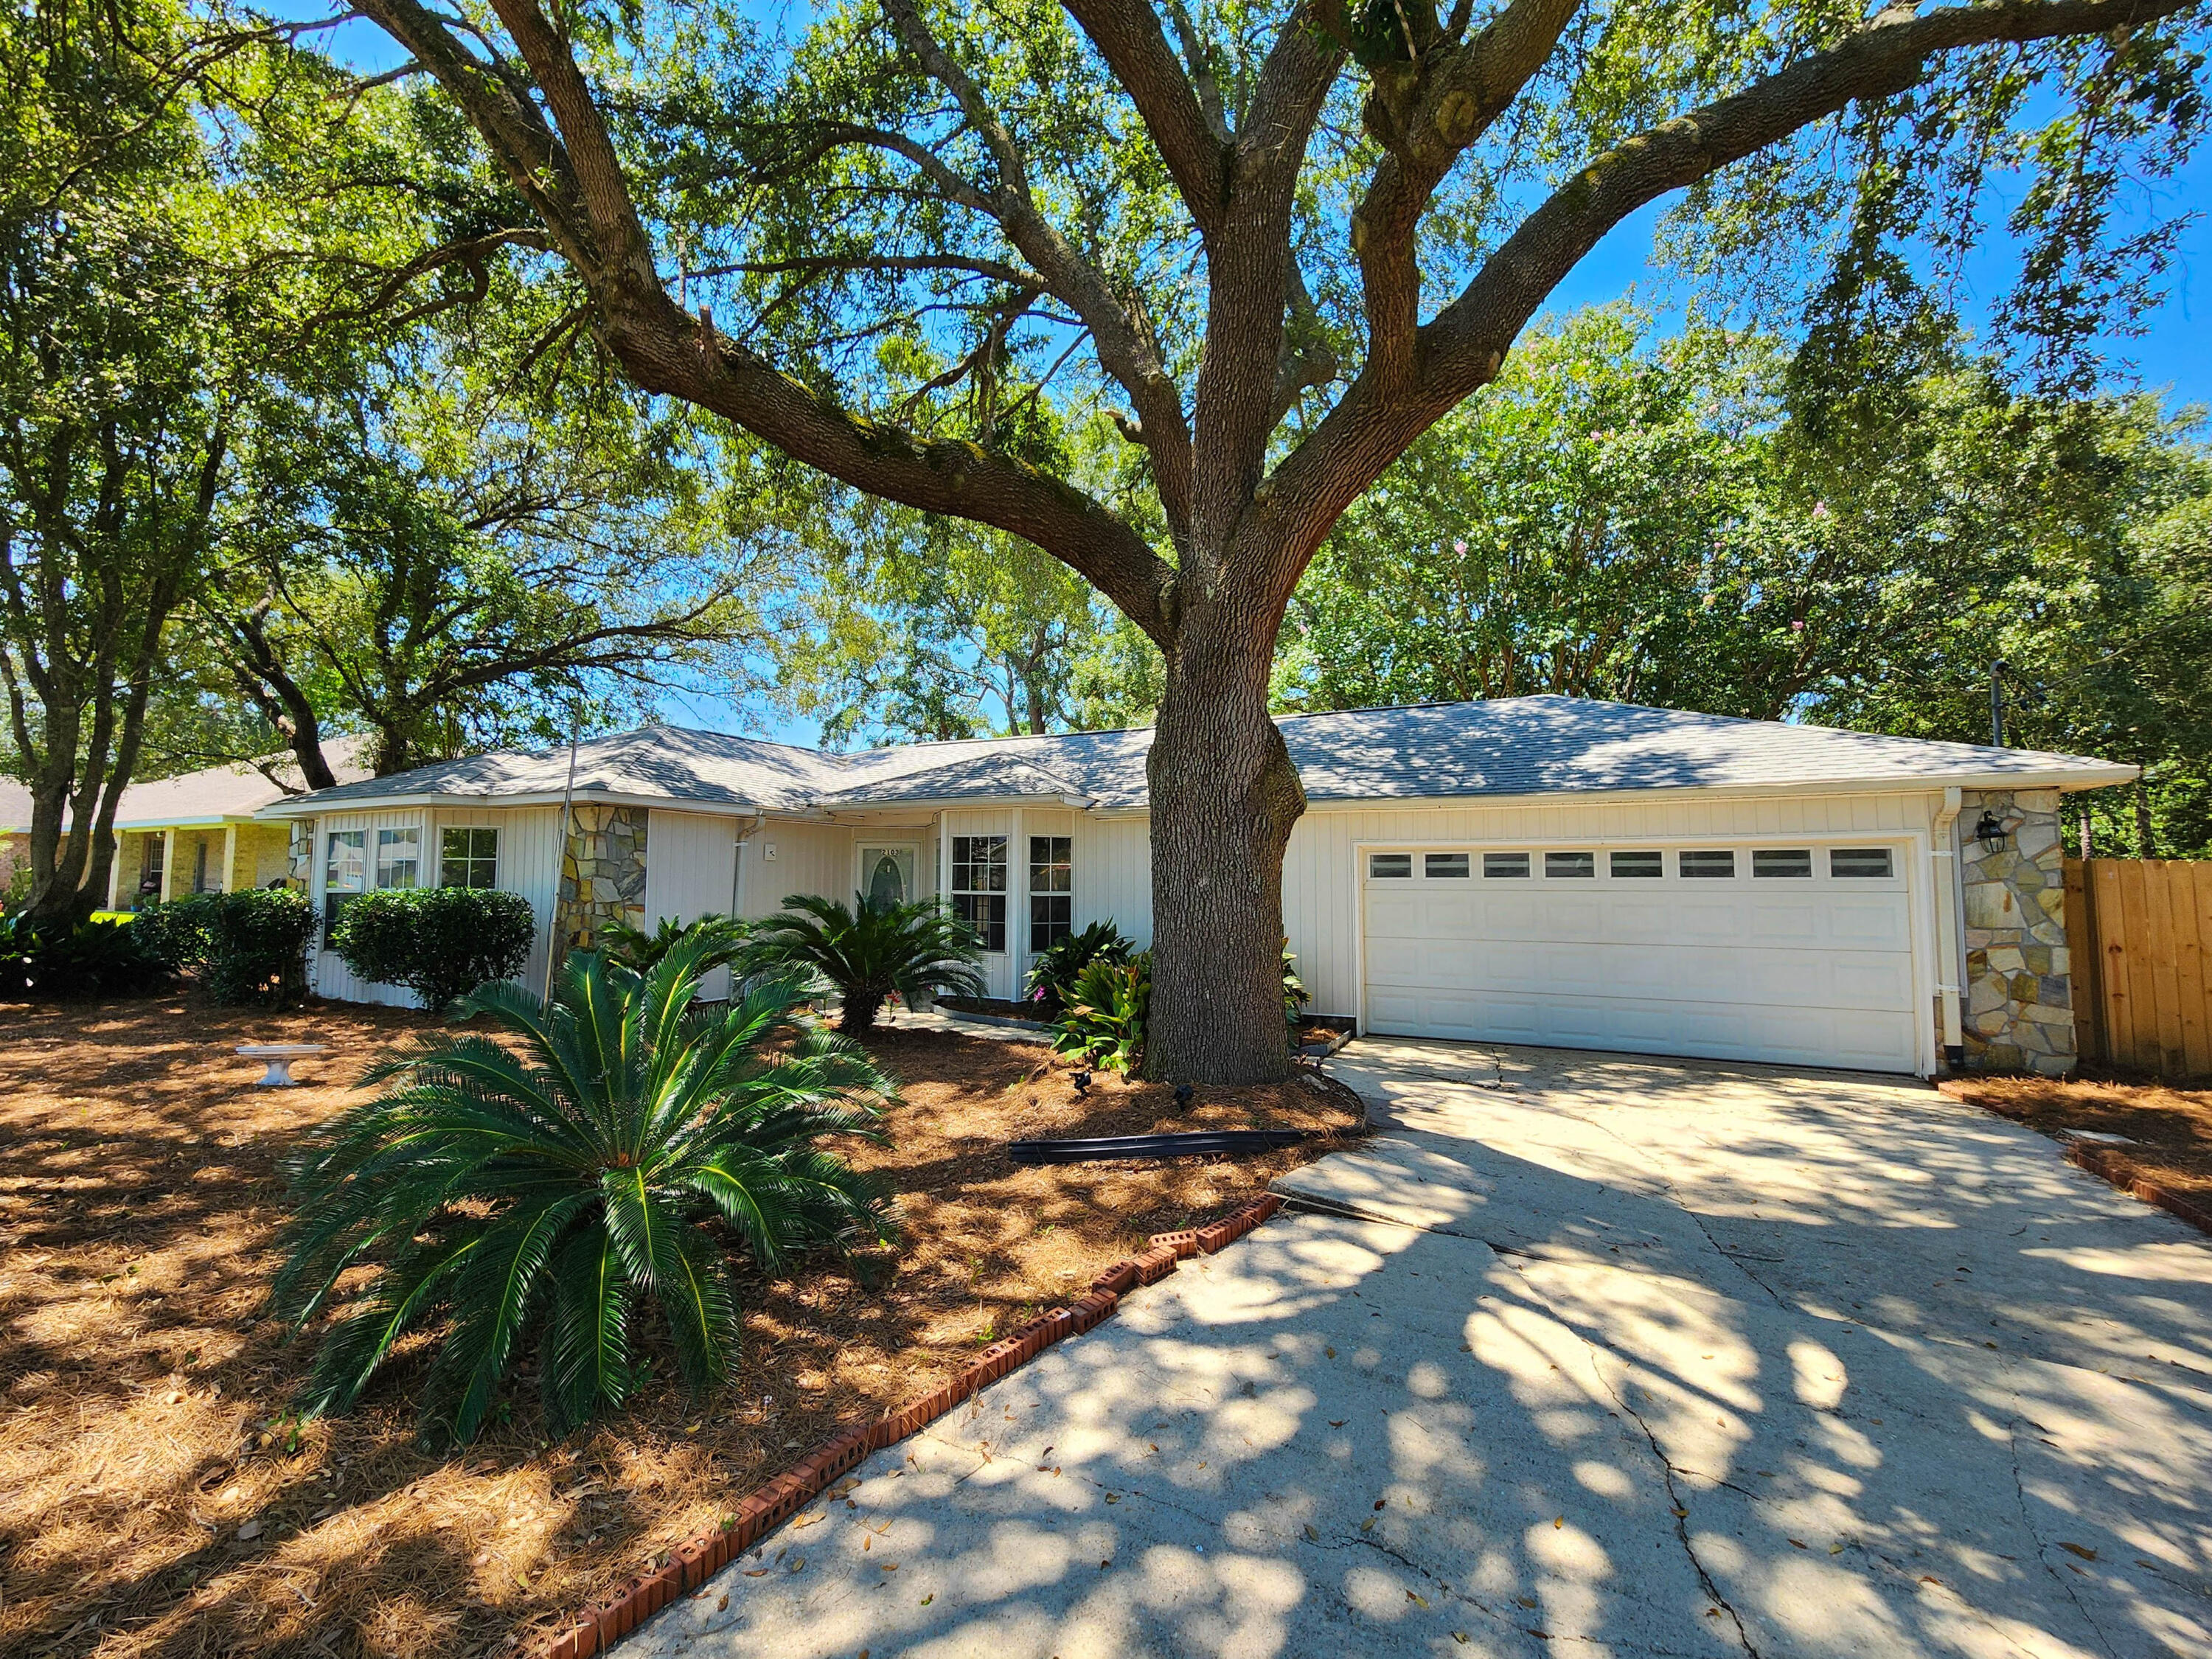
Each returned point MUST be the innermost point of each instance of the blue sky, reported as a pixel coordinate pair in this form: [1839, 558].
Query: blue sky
[2172, 356]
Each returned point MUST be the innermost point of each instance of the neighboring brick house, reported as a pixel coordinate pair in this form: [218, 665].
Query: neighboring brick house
[194, 833]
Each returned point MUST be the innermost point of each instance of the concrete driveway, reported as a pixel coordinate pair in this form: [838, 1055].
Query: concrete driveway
[1582, 1354]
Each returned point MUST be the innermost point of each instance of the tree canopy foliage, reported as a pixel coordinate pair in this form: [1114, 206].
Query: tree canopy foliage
[1690, 522]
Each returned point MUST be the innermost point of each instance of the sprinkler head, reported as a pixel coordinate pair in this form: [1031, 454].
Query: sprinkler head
[1182, 1095]
[1083, 1080]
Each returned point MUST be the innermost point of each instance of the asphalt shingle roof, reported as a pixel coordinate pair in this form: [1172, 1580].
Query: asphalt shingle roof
[1506, 746]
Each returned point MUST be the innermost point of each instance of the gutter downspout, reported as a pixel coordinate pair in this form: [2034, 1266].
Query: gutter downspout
[751, 827]
[1950, 943]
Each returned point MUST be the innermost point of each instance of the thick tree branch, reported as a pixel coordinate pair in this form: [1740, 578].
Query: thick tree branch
[1461, 349]
[577, 183]
[1127, 347]
[1426, 113]
[1128, 37]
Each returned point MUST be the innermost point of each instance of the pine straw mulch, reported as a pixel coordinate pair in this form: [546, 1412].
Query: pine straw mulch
[2168, 1126]
[158, 1500]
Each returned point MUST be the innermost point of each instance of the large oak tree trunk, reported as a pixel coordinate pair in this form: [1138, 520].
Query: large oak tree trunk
[1225, 796]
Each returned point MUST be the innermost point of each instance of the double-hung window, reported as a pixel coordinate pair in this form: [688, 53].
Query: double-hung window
[1052, 889]
[345, 871]
[979, 887]
[398, 857]
[468, 858]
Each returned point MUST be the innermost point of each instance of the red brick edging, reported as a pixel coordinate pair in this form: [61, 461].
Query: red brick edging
[690, 1565]
[2115, 1168]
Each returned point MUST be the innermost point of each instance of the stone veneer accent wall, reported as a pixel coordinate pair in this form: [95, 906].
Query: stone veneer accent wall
[602, 874]
[2019, 994]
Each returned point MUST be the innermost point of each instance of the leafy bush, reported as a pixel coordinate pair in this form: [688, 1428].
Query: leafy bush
[539, 1198]
[724, 938]
[86, 959]
[252, 945]
[1105, 1017]
[1053, 973]
[179, 934]
[439, 942]
[869, 951]
[259, 950]
[1295, 994]
[1104, 1020]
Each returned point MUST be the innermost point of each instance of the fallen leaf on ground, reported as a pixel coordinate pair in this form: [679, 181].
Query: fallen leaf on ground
[2085, 1553]
[1417, 1600]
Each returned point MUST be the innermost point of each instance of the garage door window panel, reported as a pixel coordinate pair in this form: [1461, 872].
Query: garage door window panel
[1445, 867]
[1706, 863]
[1859, 863]
[1505, 865]
[1785, 863]
[1637, 865]
[1390, 867]
[1570, 866]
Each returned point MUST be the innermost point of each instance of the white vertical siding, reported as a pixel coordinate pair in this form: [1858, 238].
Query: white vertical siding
[1113, 874]
[784, 858]
[691, 871]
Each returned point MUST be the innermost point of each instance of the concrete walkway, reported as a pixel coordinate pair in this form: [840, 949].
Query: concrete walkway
[1587, 1355]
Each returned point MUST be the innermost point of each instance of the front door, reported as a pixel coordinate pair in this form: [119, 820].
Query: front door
[887, 874]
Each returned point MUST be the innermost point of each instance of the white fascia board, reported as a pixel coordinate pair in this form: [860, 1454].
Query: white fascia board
[2103, 777]
[850, 811]
[308, 807]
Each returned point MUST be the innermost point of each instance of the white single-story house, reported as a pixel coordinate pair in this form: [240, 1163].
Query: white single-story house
[1544, 869]
[192, 833]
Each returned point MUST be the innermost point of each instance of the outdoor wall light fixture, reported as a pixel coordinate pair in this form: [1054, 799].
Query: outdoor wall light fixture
[1989, 831]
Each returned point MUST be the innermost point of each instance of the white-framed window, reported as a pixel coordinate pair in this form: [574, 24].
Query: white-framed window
[1569, 864]
[1636, 864]
[1389, 867]
[345, 870]
[1709, 861]
[1497, 864]
[1781, 861]
[1859, 863]
[979, 887]
[1444, 866]
[468, 858]
[399, 857]
[1052, 889]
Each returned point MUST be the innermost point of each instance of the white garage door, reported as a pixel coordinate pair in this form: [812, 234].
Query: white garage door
[1800, 954]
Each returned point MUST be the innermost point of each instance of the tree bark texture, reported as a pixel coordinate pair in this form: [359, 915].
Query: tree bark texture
[1224, 797]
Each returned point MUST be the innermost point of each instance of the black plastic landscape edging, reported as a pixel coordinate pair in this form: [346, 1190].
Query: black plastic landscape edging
[1204, 1144]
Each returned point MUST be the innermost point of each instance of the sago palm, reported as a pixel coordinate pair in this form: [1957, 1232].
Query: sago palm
[538, 1195]
[868, 951]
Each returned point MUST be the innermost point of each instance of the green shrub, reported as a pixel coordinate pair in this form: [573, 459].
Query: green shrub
[869, 951]
[250, 945]
[722, 936]
[439, 942]
[257, 948]
[1104, 1018]
[511, 1200]
[86, 959]
[179, 934]
[1053, 973]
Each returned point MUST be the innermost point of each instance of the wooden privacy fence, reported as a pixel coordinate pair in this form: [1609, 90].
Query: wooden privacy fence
[2141, 936]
